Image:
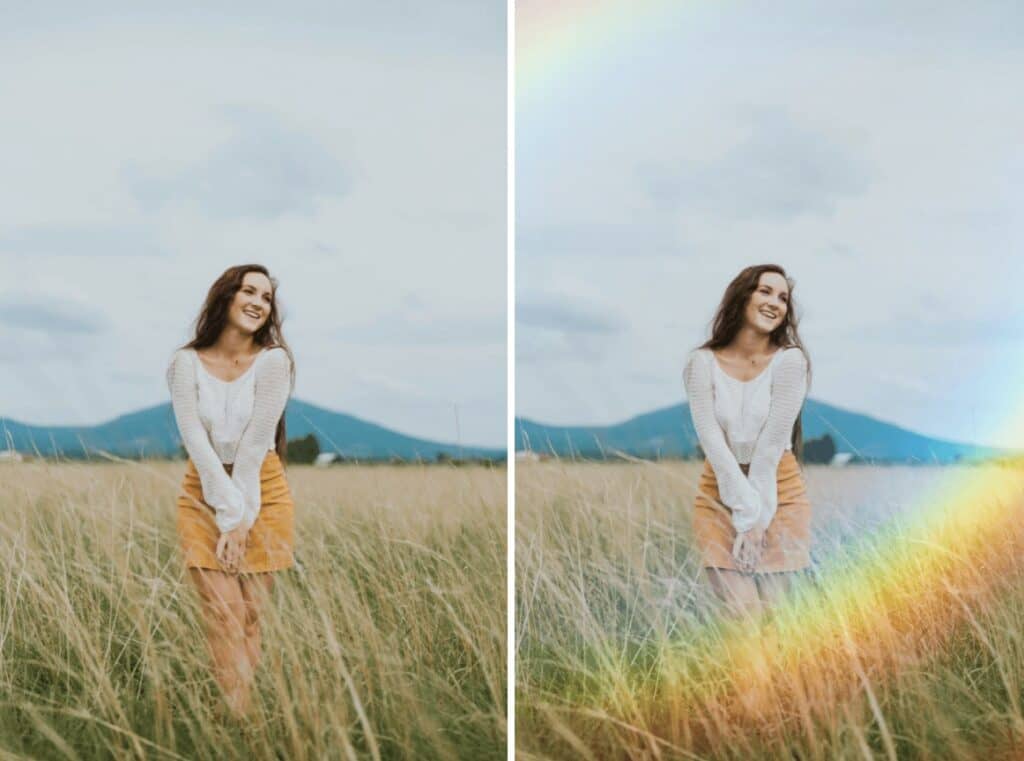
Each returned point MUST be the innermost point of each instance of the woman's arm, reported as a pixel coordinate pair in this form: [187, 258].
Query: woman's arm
[218, 491]
[789, 387]
[733, 486]
[273, 385]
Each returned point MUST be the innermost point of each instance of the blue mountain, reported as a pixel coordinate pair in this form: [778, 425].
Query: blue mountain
[669, 432]
[152, 432]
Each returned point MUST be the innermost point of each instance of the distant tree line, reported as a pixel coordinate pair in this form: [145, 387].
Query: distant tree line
[303, 451]
[443, 458]
[820, 450]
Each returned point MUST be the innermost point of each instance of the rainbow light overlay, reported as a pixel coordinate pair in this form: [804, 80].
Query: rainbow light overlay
[915, 566]
[562, 39]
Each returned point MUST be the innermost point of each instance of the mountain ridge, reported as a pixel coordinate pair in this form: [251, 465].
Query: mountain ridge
[668, 432]
[152, 432]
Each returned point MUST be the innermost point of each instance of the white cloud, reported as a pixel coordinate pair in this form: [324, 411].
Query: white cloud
[262, 171]
[882, 169]
[357, 150]
[779, 169]
[95, 239]
[50, 316]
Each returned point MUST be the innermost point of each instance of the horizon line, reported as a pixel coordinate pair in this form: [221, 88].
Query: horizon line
[440, 441]
[684, 402]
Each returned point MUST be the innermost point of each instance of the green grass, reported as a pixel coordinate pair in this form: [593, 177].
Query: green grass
[888, 652]
[388, 642]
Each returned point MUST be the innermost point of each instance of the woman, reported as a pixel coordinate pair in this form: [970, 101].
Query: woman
[229, 386]
[746, 387]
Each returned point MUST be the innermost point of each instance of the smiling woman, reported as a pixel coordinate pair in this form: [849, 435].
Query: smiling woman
[229, 387]
[233, 592]
[746, 385]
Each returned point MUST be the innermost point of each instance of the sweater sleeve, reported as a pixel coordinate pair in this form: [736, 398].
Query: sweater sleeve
[218, 490]
[789, 386]
[735, 490]
[273, 385]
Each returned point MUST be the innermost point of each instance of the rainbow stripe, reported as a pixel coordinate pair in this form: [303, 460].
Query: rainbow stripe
[922, 569]
[559, 42]
[902, 593]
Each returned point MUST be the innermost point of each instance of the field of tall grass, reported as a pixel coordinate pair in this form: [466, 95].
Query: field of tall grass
[388, 642]
[905, 640]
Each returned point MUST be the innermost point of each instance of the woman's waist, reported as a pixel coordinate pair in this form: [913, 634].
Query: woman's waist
[229, 466]
[743, 451]
[227, 451]
[787, 465]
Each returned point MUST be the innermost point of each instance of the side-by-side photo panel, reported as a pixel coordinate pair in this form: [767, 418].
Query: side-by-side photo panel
[253, 381]
[768, 452]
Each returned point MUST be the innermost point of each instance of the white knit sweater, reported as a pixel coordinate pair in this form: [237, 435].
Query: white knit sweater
[741, 422]
[223, 422]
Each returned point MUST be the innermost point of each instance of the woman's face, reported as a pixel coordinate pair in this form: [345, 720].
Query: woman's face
[768, 304]
[251, 306]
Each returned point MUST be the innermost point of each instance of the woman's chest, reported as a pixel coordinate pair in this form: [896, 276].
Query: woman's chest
[226, 407]
[742, 406]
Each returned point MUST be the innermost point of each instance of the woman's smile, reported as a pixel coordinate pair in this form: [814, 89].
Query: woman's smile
[769, 302]
[252, 303]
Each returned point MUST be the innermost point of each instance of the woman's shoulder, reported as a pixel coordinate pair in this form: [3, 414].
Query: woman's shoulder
[791, 354]
[698, 364]
[702, 357]
[274, 354]
[274, 362]
[180, 356]
[791, 358]
[182, 361]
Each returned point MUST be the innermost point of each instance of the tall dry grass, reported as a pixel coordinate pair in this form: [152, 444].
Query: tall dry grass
[387, 642]
[890, 649]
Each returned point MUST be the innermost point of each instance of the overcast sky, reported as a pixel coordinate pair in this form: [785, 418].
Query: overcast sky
[357, 149]
[872, 149]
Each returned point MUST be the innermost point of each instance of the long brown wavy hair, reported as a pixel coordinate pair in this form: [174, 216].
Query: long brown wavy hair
[730, 316]
[213, 318]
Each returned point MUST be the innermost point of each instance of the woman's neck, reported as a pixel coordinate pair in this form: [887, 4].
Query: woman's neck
[233, 343]
[749, 342]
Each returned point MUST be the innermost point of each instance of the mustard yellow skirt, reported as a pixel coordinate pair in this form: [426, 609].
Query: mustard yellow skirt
[788, 538]
[271, 538]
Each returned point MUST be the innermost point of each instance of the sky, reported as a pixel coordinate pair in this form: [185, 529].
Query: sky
[871, 149]
[356, 149]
